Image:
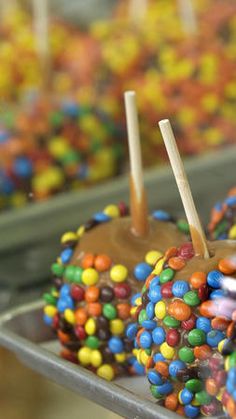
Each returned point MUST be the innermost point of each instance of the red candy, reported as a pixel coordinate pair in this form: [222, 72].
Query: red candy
[190, 323]
[77, 292]
[122, 291]
[203, 292]
[166, 290]
[186, 251]
[172, 337]
[80, 332]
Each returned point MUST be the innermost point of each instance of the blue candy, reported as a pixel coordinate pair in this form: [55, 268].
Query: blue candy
[142, 271]
[161, 215]
[66, 255]
[64, 303]
[145, 340]
[158, 357]
[23, 167]
[154, 378]
[138, 368]
[65, 290]
[131, 331]
[214, 279]
[165, 388]
[214, 337]
[47, 320]
[217, 294]
[149, 324]
[203, 324]
[115, 345]
[150, 310]
[186, 396]
[191, 411]
[180, 288]
[100, 217]
[158, 335]
[155, 294]
[231, 201]
[154, 282]
[71, 109]
[175, 367]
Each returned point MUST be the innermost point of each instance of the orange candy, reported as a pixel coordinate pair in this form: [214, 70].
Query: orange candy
[231, 408]
[198, 279]
[81, 316]
[88, 261]
[180, 410]
[227, 266]
[207, 309]
[202, 352]
[179, 310]
[123, 310]
[211, 387]
[220, 323]
[162, 368]
[230, 330]
[171, 402]
[63, 337]
[92, 294]
[176, 263]
[94, 309]
[148, 280]
[149, 363]
[171, 252]
[102, 263]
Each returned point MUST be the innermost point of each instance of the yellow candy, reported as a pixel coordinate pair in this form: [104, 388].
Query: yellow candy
[90, 326]
[194, 402]
[69, 316]
[138, 301]
[232, 232]
[55, 293]
[133, 311]
[152, 257]
[80, 231]
[96, 358]
[135, 352]
[227, 364]
[144, 357]
[167, 351]
[69, 236]
[221, 345]
[106, 372]
[50, 310]
[84, 356]
[90, 276]
[119, 273]
[120, 357]
[158, 267]
[58, 147]
[112, 211]
[160, 310]
[220, 394]
[117, 326]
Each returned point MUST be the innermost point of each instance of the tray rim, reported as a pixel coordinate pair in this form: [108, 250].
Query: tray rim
[73, 377]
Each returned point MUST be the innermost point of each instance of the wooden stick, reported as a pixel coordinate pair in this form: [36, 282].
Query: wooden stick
[196, 230]
[187, 16]
[137, 9]
[138, 201]
[41, 24]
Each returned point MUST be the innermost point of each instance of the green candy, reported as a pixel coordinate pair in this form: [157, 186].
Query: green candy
[171, 322]
[167, 275]
[186, 354]
[191, 298]
[196, 337]
[49, 299]
[70, 272]
[109, 311]
[232, 360]
[194, 385]
[78, 275]
[183, 226]
[144, 289]
[92, 342]
[142, 316]
[221, 228]
[203, 398]
[57, 269]
[155, 393]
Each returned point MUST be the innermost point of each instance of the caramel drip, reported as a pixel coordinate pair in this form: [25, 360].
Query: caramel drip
[139, 211]
[117, 241]
[199, 243]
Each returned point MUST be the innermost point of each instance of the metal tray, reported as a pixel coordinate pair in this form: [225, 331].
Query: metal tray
[23, 332]
[30, 236]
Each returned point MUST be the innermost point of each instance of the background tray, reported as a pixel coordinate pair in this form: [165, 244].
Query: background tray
[30, 236]
[23, 332]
